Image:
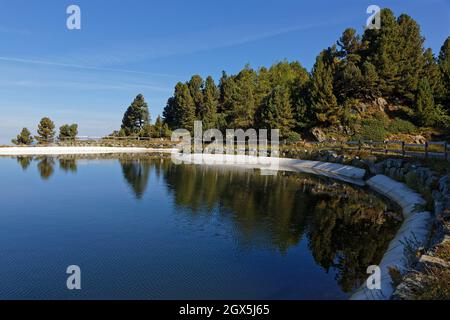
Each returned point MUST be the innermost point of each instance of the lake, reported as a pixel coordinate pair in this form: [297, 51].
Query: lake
[140, 227]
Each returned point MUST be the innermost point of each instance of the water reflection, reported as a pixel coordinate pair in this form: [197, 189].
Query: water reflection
[348, 233]
[68, 164]
[24, 162]
[346, 228]
[46, 167]
[136, 174]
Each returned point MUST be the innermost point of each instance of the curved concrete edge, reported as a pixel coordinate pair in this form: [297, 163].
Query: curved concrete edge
[34, 151]
[413, 232]
[333, 170]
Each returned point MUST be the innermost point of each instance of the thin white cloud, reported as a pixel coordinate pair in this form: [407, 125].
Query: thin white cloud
[198, 42]
[188, 44]
[77, 66]
[83, 85]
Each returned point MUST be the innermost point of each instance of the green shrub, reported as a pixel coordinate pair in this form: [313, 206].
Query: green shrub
[401, 126]
[373, 129]
[293, 137]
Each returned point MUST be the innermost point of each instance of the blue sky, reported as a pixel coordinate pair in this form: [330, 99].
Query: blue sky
[90, 76]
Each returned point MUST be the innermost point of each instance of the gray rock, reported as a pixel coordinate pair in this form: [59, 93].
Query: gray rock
[318, 134]
[444, 184]
[430, 181]
[377, 168]
[340, 159]
[392, 172]
[432, 262]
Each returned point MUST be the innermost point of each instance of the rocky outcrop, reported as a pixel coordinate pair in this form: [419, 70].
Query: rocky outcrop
[318, 134]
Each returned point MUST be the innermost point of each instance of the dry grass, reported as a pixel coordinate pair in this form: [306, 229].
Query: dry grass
[443, 251]
[435, 285]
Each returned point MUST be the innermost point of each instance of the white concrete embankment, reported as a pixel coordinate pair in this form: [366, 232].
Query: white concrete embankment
[412, 234]
[332, 170]
[23, 151]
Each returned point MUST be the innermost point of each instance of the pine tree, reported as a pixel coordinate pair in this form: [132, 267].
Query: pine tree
[382, 50]
[24, 138]
[349, 43]
[432, 72]
[158, 127]
[244, 108]
[170, 114]
[195, 88]
[276, 113]
[147, 131]
[185, 106]
[444, 66]
[396, 51]
[228, 96]
[369, 87]
[166, 132]
[136, 116]
[348, 80]
[411, 58]
[263, 88]
[210, 104]
[46, 131]
[424, 106]
[323, 101]
[298, 88]
[68, 132]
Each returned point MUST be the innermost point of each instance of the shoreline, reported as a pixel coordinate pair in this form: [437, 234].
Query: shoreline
[35, 151]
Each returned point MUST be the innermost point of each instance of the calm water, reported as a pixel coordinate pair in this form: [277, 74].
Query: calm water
[144, 228]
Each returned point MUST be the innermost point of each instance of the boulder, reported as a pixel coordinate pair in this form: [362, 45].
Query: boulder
[444, 185]
[419, 139]
[359, 163]
[318, 134]
[432, 262]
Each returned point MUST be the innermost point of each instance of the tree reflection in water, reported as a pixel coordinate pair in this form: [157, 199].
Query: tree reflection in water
[136, 173]
[24, 161]
[68, 164]
[46, 167]
[347, 228]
